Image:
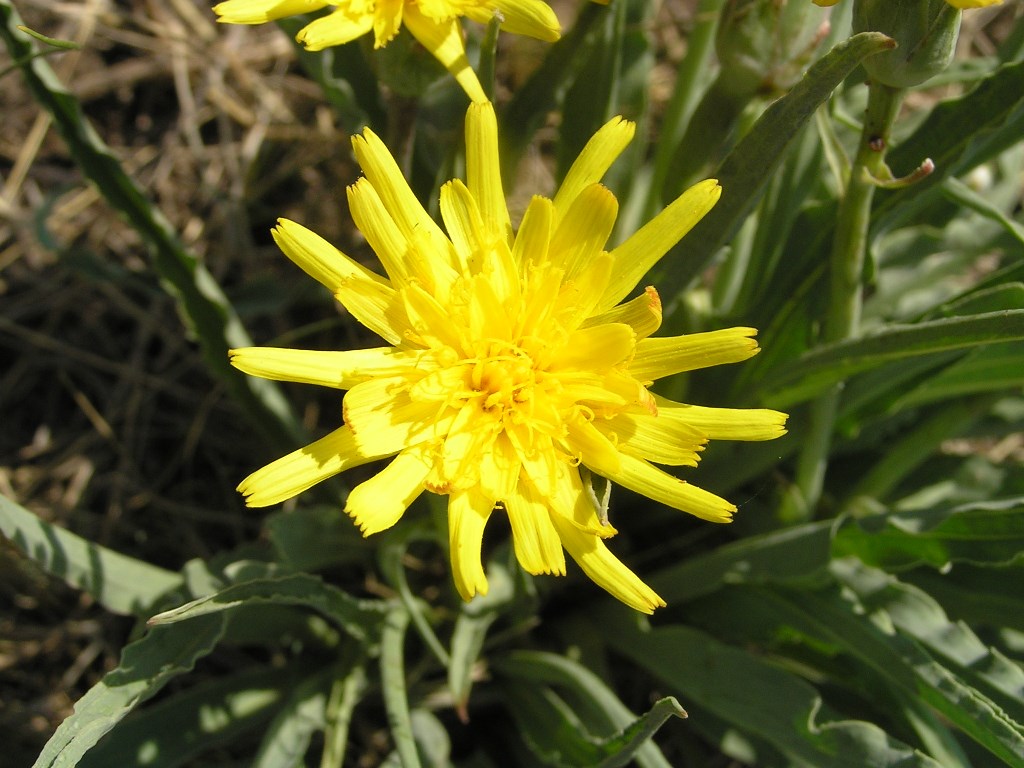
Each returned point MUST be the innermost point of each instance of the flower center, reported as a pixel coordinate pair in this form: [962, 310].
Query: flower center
[504, 379]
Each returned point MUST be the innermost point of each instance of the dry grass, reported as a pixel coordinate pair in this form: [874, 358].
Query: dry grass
[111, 425]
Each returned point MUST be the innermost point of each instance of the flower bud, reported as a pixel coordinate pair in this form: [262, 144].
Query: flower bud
[765, 45]
[926, 31]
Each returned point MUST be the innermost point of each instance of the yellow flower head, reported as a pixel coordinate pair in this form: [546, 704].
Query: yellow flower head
[512, 364]
[434, 23]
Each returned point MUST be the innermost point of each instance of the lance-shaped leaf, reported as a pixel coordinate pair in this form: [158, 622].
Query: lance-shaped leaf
[147, 665]
[812, 373]
[746, 170]
[985, 533]
[119, 583]
[759, 698]
[206, 716]
[359, 618]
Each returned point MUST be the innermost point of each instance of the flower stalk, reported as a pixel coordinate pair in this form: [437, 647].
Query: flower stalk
[842, 320]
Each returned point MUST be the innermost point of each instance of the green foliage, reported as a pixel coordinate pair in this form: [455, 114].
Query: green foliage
[883, 629]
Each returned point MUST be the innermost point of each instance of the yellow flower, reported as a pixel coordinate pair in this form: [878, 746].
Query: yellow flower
[961, 4]
[434, 23]
[512, 364]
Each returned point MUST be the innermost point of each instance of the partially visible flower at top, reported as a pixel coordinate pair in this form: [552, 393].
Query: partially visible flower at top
[961, 4]
[512, 366]
[434, 23]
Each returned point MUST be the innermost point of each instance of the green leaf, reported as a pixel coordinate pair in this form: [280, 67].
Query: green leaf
[200, 300]
[917, 615]
[988, 533]
[597, 706]
[316, 537]
[961, 194]
[977, 595]
[147, 665]
[901, 662]
[747, 169]
[360, 618]
[818, 369]
[191, 722]
[799, 553]
[991, 368]
[287, 738]
[345, 694]
[915, 445]
[392, 553]
[471, 626]
[762, 699]
[393, 686]
[119, 583]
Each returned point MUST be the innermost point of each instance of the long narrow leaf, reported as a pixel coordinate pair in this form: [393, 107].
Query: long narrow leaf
[746, 170]
[822, 367]
[761, 699]
[147, 665]
[119, 583]
[359, 618]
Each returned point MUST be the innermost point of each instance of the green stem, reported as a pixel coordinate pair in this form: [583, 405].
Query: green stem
[842, 320]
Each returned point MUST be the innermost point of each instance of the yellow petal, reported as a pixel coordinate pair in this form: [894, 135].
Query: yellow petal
[594, 450]
[336, 28]
[468, 512]
[431, 323]
[261, 11]
[577, 297]
[404, 259]
[639, 476]
[499, 468]
[366, 295]
[583, 230]
[642, 314]
[483, 171]
[444, 40]
[381, 232]
[384, 419]
[652, 241]
[471, 434]
[487, 314]
[592, 163]
[725, 423]
[396, 196]
[538, 457]
[659, 357]
[535, 540]
[569, 501]
[519, 17]
[654, 438]
[596, 348]
[606, 570]
[465, 225]
[341, 370]
[378, 503]
[302, 469]
[534, 235]
[387, 18]
[962, 4]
